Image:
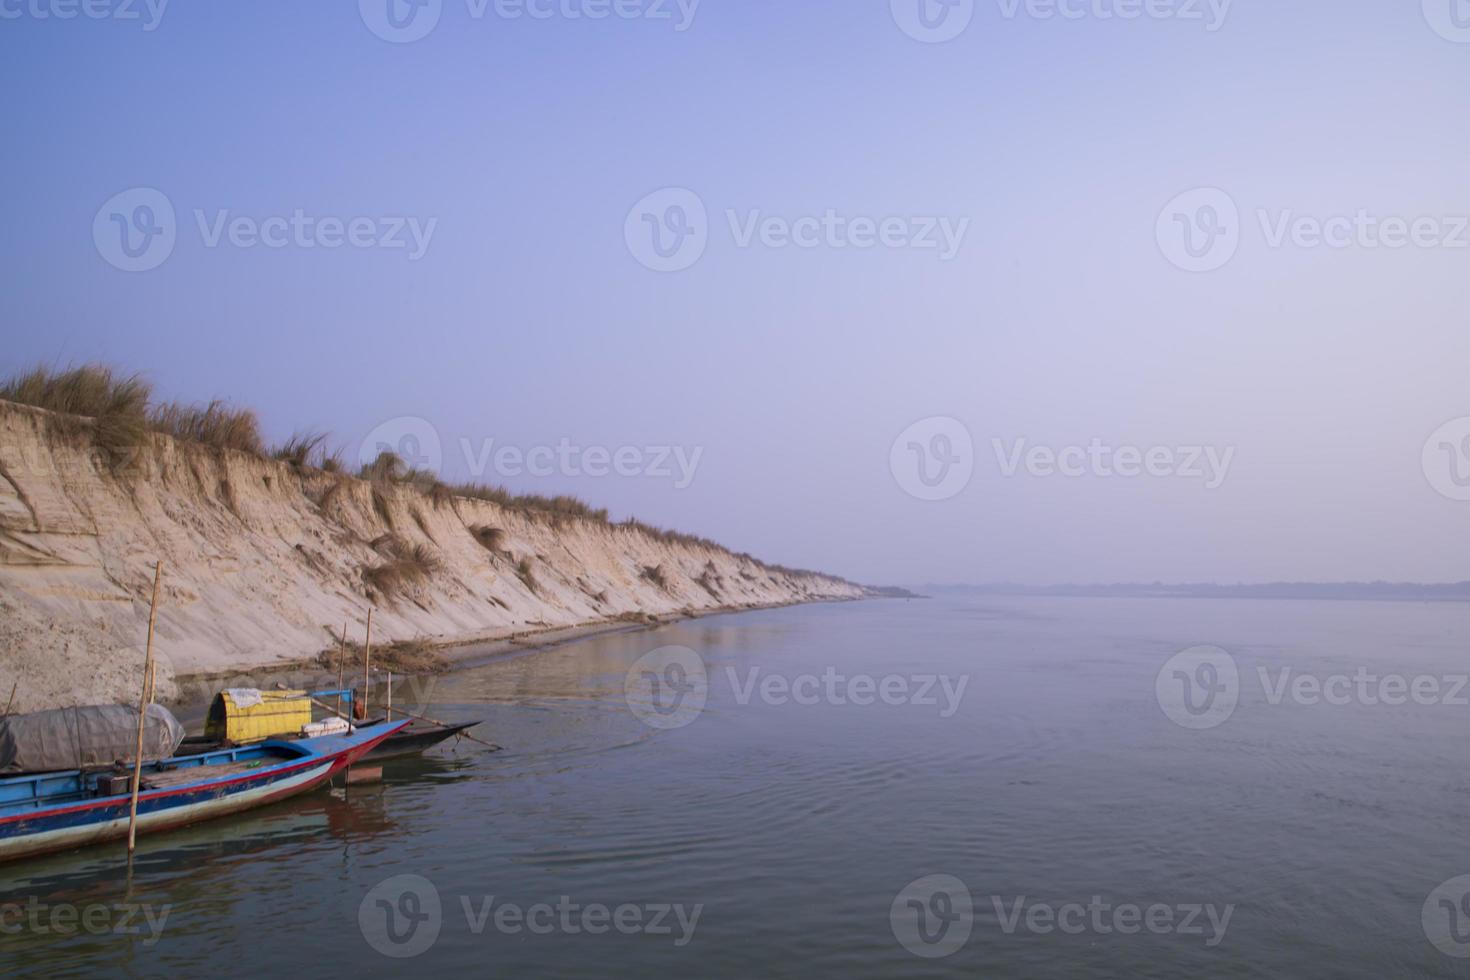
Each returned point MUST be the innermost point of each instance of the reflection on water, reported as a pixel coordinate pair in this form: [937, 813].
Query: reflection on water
[793, 827]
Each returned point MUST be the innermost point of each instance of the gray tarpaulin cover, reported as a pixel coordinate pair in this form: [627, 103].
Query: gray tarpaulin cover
[72, 738]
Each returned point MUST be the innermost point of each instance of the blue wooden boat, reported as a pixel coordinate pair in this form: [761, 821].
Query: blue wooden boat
[62, 810]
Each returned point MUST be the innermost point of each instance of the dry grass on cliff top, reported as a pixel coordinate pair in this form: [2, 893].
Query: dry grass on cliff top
[123, 414]
[401, 657]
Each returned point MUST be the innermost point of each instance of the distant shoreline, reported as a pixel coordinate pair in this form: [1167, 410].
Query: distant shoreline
[1375, 591]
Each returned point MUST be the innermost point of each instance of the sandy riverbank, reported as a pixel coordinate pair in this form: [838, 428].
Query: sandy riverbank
[264, 563]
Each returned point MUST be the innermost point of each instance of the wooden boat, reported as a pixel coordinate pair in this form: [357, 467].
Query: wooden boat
[415, 739]
[282, 714]
[63, 810]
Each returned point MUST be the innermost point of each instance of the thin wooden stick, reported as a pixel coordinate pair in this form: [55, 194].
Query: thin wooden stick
[367, 658]
[143, 703]
[341, 666]
[13, 688]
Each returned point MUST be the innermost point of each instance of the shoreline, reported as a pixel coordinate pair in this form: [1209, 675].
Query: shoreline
[465, 653]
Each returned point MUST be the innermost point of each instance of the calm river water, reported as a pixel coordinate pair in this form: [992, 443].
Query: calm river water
[945, 787]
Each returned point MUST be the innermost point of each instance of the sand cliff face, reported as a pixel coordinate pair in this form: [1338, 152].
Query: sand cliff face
[263, 564]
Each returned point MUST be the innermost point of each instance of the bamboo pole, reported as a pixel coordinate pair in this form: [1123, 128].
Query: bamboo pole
[341, 667]
[143, 703]
[367, 659]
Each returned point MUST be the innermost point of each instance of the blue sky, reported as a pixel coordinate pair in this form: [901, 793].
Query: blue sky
[1059, 320]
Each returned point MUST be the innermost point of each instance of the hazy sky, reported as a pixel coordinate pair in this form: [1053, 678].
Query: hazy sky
[1061, 310]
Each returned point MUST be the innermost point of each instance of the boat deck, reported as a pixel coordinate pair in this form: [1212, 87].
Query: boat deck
[170, 778]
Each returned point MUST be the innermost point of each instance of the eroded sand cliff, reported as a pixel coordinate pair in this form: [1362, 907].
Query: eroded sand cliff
[264, 562]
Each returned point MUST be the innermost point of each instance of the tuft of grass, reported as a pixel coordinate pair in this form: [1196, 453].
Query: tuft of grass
[410, 657]
[382, 507]
[331, 492]
[116, 404]
[641, 618]
[440, 494]
[709, 583]
[527, 572]
[492, 539]
[389, 467]
[418, 656]
[300, 448]
[405, 566]
[216, 425]
[563, 506]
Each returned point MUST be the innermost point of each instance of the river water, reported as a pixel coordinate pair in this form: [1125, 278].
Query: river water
[943, 787]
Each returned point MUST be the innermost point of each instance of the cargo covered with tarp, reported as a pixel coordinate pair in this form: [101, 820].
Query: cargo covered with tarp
[242, 715]
[76, 738]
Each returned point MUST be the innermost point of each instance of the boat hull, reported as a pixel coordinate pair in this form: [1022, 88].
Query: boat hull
[414, 742]
[68, 826]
